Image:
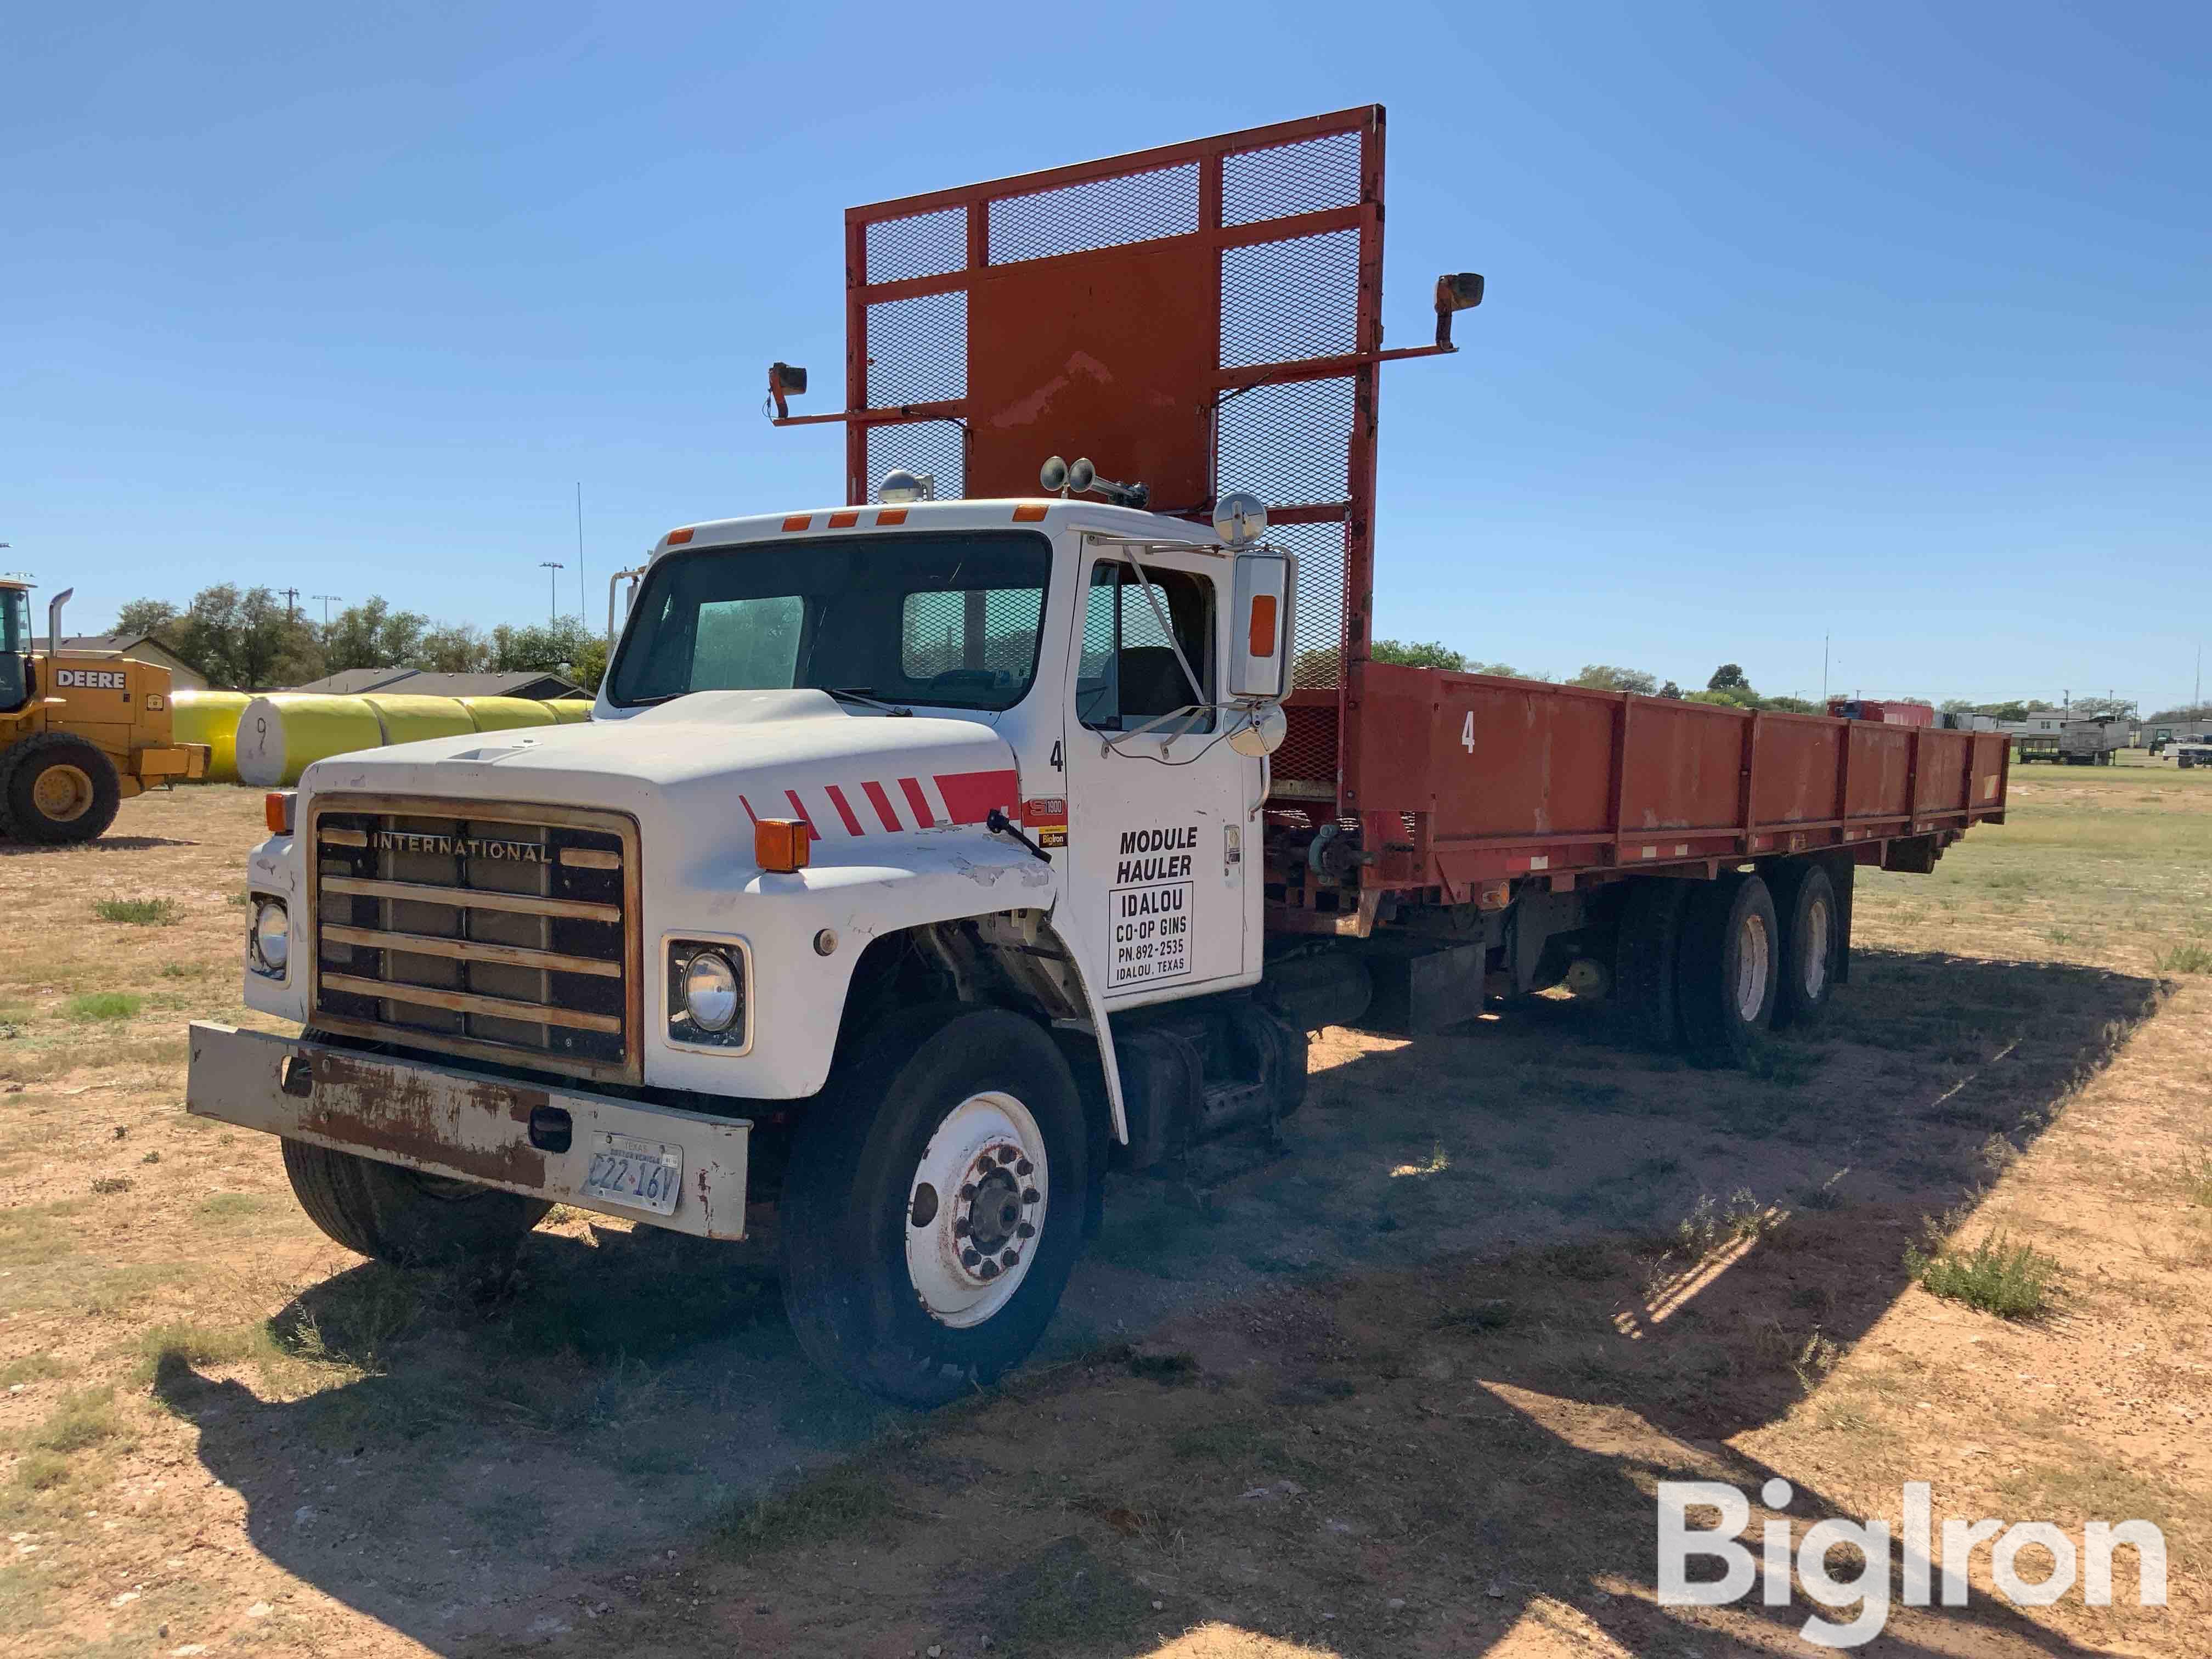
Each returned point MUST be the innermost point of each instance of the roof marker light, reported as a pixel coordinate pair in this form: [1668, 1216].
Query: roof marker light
[1029, 512]
[678, 537]
[800, 521]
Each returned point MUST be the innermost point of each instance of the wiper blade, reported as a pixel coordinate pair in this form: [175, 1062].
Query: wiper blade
[860, 694]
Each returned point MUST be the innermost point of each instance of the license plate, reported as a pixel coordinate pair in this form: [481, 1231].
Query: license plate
[639, 1175]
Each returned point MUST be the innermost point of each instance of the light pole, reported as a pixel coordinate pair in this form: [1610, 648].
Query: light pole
[326, 598]
[553, 568]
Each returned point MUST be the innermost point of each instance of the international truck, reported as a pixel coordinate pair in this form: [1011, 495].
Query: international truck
[1017, 817]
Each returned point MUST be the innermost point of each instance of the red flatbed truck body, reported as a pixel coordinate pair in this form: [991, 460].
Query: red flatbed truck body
[1206, 317]
[1461, 780]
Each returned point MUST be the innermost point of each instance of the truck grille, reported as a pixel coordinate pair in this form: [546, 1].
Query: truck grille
[502, 931]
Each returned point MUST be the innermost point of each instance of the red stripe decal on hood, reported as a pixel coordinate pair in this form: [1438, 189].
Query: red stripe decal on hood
[969, 796]
[923, 818]
[844, 810]
[882, 803]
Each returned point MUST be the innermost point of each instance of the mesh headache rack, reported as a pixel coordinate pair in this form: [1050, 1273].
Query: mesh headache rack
[1203, 317]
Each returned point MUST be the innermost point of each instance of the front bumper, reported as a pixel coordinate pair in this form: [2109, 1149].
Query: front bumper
[461, 1124]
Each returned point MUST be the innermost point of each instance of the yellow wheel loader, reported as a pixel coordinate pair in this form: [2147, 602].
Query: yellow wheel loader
[79, 734]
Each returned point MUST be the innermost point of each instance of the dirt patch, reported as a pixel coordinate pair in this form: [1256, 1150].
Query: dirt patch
[1400, 1332]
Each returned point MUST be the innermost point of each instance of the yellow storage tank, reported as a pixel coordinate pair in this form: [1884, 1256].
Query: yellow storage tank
[211, 718]
[281, 735]
[569, 710]
[502, 713]
[410, 718]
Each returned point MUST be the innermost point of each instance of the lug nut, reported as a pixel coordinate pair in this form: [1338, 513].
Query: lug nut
[1010, 1257]
[960, 1228]
[1025, 1231]
[988, 1270]
[1029, 1195]
[969, 1258]
[1007, 1155]
[1024, 1168]
[968, 1192]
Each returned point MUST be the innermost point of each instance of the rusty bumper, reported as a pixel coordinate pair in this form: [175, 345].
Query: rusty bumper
[519, 1137]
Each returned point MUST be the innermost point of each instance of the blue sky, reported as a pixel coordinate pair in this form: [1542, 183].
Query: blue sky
[1883, 321]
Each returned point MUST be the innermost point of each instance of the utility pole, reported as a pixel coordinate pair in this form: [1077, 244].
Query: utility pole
[1824, 673]
[291, 604]
[553, 568]
[583, 608]
[326, 598]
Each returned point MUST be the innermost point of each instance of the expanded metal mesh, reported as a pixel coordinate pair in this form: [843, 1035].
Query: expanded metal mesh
[934, 449]
[1286, 179]
[920, 245]
[1286, 298]
[918, 350]
[1283, 301]
[1289, 445]
[1129, 207]
[1317, 622]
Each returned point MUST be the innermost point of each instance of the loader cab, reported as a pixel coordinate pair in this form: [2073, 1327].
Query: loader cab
[14, 648]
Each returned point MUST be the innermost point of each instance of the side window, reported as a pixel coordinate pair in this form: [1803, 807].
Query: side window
[1127, 676]
[747, 645]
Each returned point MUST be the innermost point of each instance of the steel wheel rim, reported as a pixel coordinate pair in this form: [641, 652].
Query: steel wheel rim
[63, 793]
[975, 1209]
[1751, 954]
[1816, 974]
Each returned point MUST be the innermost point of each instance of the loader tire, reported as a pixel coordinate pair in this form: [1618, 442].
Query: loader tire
[403, 1217]
[1727, 970]
[934, 1204]
[55, 788]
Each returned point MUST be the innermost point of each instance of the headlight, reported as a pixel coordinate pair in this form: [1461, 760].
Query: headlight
[711, 992]
[271, 941]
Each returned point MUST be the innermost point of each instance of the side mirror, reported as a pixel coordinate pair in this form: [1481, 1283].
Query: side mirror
[1461, 292]
[1260, 627]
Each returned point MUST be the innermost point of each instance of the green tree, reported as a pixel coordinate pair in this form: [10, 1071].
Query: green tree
[568, 646]
[1604, 677]
[1729, 677]
[156, 617]
[1792, 705]
[453, 649]
[372, 635]
[1428, 655]
[246, 640]
[1670, 689]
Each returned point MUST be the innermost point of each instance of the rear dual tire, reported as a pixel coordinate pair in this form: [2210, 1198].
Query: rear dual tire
[1727, 972]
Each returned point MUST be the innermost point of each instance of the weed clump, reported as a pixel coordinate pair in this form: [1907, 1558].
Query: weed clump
[1708, 1227]
[2187, 958]
[104, 1004]
[136, 913]
[2013, 1281]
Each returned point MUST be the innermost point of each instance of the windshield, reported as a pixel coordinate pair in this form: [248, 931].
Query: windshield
[14, 644]
[948, 620]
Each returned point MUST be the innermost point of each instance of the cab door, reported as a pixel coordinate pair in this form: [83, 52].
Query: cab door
[1160, 836]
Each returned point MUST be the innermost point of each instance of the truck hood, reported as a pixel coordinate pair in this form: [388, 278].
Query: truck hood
[708, 764]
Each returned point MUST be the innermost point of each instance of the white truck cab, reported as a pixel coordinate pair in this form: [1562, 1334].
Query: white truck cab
[886, 817]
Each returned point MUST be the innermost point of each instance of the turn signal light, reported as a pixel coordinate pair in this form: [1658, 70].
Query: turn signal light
[277, 810]
[780, 844]
[1262, 641]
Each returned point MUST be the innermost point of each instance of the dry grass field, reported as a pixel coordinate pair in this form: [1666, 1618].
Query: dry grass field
[1405, 1387]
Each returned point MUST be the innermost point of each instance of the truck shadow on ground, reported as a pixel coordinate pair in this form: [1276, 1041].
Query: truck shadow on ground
[463, 1462]
[104, 844]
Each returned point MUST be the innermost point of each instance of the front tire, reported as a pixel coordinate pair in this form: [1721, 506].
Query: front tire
[55, 788]
[933, 1207]
[1726, 975]
[403, 1217]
